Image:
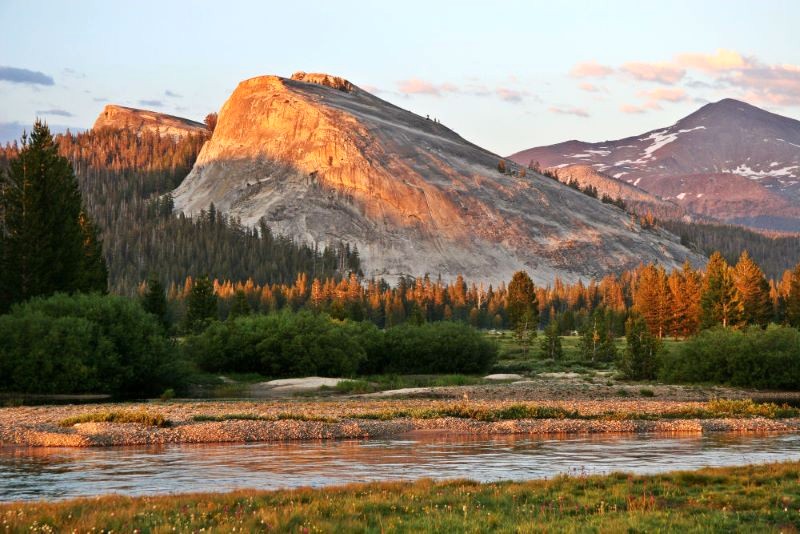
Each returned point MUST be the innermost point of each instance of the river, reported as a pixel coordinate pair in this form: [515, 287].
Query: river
[57, 473]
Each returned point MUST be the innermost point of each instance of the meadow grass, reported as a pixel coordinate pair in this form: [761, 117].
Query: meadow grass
[714, 409]
[764, 498]
[140, 416]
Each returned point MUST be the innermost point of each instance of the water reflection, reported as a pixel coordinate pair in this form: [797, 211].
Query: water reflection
[31, 473]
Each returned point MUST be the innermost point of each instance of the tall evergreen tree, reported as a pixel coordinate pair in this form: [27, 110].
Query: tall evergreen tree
[240, 305]
[793, 299]
[523, 308]
[48, 242]
[551, 341]
[685, 287]
[754, 291]
[639, 361]
[154, 300]
[597, 338]
[201, 305]
[652, 299]
[720, 301]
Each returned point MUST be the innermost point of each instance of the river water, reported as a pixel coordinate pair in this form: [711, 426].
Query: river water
[56, 473]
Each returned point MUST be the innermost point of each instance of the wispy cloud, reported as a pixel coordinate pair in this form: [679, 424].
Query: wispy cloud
[738, 74]
[25, 76]
[57, 112]
[632, 109]
[170, 94]
[590, 69]
[664, 73]
[664, 94]
[721, 60]
[416, 86]
[590, 87]
[510, 95]
[152, 103]
[578, 112]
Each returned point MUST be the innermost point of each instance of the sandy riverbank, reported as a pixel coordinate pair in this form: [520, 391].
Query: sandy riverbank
[356, 417]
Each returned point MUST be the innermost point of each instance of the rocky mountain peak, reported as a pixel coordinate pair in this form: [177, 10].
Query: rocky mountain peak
[323, 161]
[141, 120]
[327, 80]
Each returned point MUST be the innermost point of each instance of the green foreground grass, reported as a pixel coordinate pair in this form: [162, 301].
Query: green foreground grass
[743, 499]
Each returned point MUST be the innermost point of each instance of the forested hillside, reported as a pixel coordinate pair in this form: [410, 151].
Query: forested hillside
[125, 179]
[774, 254]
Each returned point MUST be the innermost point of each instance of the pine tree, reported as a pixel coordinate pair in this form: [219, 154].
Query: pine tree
[47, 243]
[94, 272]
[793, 299]
[639, 361]
[201, 305]
[685, 287]
[551, 341]
[652, 299]
[754, 290]
[523, 308]
[154, 301]
[720, 301]
[240, 305]
[597, 338]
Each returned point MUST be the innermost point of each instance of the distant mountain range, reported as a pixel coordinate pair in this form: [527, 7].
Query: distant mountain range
[322, 160]
[729, 161]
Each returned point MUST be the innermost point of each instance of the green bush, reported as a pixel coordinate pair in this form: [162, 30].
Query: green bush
[442, 347]
[280, 344]
[85, 344]
[289, 344]
[768, 359]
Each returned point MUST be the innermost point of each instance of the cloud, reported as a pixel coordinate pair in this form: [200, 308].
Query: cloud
[590, 88]
[153, 103]
[416, 86]
[772, 84]
[578, 112]
[510, 95]
[171, 94]
[665, 73]
[58, 112]
[665, 94]
[590, 69]
[719, 61]
[100, 99]
[630, 108]
[31, 77]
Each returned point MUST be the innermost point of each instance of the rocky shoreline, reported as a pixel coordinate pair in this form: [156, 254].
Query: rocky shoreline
[350, 419]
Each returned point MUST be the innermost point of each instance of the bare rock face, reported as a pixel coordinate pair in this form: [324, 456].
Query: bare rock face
[321, 160]
[142, 120]
[728, 160]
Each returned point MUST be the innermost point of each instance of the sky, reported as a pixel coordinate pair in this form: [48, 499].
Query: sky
[506, 75]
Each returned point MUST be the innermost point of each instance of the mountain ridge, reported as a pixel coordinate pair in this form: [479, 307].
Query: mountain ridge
[322, 160]
[704, 162]
[140, 120]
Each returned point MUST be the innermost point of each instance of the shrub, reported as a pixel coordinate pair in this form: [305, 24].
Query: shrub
[289, 344]
[442, 347]
[85, 344]
[754, 358]
[281, 344]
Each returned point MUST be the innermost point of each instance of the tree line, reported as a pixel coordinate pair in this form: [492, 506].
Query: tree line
[125, 180]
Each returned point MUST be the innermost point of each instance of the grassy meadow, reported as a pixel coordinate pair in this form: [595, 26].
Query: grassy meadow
[762, 498]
